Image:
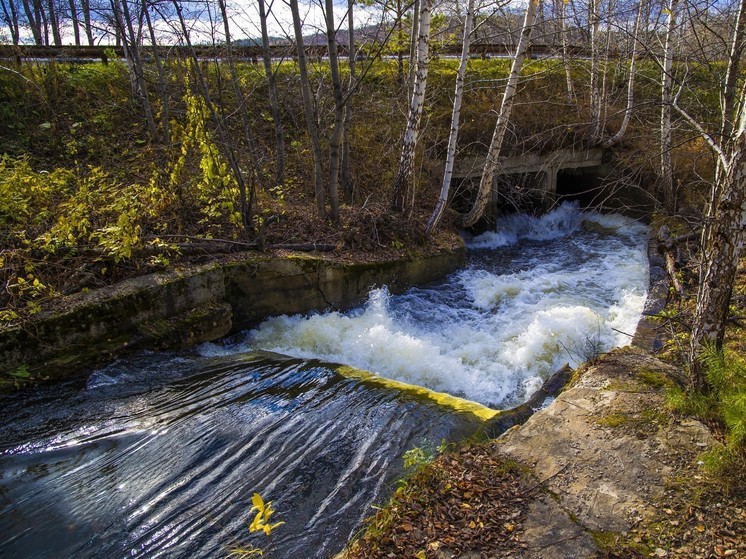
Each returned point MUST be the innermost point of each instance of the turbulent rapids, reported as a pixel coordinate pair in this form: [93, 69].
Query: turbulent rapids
[158, 456]
[536, 294]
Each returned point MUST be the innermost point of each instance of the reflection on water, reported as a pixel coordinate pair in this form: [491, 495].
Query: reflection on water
[161, 459]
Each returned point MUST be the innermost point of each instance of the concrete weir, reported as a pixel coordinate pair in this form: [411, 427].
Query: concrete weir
[180, 308]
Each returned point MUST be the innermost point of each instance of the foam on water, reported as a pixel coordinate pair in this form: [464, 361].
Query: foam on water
[538, 292]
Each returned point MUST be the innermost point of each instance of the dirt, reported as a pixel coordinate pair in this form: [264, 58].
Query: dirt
[605, 471]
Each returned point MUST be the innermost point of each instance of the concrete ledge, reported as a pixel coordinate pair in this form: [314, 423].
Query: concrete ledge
[180, 308]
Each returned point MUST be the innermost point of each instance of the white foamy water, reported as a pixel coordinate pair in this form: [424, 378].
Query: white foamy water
[537, 293]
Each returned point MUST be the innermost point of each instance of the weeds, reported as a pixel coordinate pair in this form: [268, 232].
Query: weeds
[723, 404]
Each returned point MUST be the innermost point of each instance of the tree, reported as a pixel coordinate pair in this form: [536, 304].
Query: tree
[724, 233]
[347, 184]
[225, 143]
[274, 105]
[503, 118]
[616, 138]
[445, 187]
[10, 16]
[308, 110]
[75, 21]
[33, 18]
[403, 189]
[666, 165]
[335, 140]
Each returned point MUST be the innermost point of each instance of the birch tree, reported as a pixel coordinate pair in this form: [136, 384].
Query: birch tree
[666, 164]
[616, 138]
[724, 234]
[561, 11]
[503, 118]
[445, 187]
[403, 189]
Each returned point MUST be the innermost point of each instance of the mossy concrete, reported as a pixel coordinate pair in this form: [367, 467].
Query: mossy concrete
[180, 308]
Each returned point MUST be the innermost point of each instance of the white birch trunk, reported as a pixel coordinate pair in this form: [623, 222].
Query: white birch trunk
[724, 235]
[666, 168]
[594, 23]
[561, 9]
[616, 138]
[503, 119]
[403, 183]
[445, 187]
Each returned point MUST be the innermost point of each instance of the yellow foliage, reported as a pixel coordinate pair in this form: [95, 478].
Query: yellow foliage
[264, 512]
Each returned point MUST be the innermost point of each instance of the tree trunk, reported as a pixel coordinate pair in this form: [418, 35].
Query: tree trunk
[313, 130]
[225, 144]
[720, 261]
[162, 78]
[246, 199]
[274, 105]
[54, 21]
[41, 17]
[10, 15]
[503, 119]
[346, 174]
[33, 21]
[132, 50]
[724, 234]
[445, 187]
[85, 7]
[335, 140]
[594, 22]
[666, 168]
[74, 20]
[403, 183]
[565, 56]
[616, 138]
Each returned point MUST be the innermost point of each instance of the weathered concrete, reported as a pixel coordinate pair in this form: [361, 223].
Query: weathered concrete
[180, 308]
[544, 166]
[604, 451]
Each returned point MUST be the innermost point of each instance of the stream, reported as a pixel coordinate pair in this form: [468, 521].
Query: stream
[159, 455]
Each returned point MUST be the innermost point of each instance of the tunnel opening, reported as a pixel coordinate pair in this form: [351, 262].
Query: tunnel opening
[585, 185]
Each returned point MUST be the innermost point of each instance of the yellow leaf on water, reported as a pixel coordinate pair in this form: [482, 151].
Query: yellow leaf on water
[257, 501]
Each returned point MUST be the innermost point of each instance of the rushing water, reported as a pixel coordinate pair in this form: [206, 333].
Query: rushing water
[536, 294]
[159, 456]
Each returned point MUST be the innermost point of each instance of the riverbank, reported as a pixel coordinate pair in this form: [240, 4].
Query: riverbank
[608, 469]
[604, 471]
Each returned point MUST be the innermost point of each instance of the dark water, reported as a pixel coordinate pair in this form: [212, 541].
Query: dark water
[160, 458]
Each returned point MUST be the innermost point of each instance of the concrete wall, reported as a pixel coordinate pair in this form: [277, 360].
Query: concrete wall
[181, 308]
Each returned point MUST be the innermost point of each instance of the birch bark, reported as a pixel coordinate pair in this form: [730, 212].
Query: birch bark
[445, 187]
[503, 118]
[403, 183]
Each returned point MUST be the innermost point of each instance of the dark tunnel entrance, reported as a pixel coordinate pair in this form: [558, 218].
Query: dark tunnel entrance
[583, 184]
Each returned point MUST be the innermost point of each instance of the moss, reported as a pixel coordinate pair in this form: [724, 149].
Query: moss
[617, 544]
[613, 420]
[654, 379]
